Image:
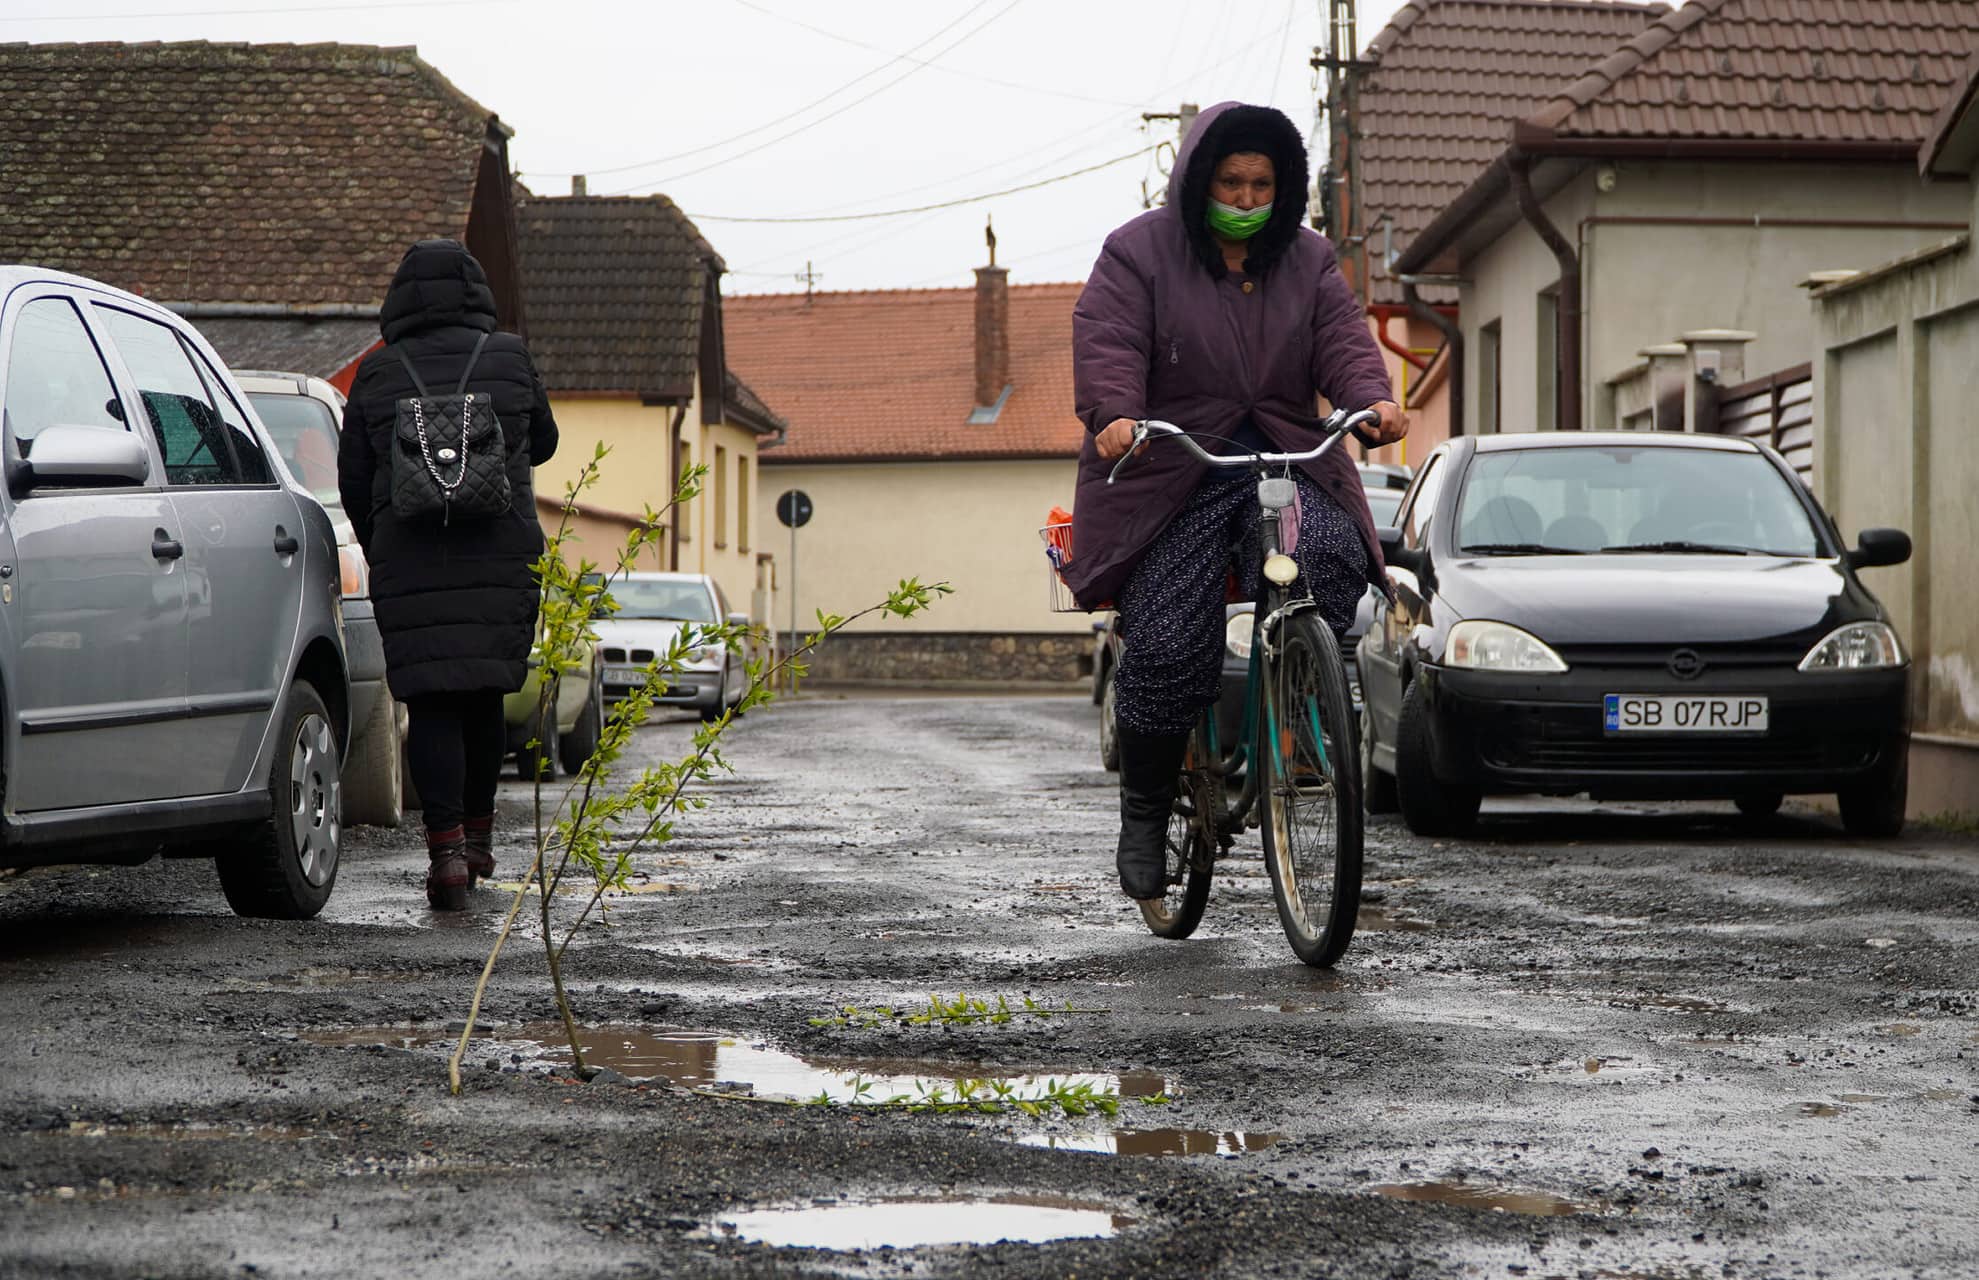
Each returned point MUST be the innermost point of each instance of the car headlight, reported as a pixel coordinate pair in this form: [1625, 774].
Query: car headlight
[1237, 634]
[1859, 646]
[355, 572]
[703, 658]
[1499, 646]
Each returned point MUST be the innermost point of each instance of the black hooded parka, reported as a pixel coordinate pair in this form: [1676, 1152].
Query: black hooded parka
[456, 603]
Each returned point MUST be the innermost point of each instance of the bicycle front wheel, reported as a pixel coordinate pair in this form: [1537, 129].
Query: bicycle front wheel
[1310, 791]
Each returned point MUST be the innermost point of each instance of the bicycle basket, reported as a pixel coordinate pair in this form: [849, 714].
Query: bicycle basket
[1057, 540]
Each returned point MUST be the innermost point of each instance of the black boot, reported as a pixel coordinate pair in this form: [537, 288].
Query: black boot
[1149, 766]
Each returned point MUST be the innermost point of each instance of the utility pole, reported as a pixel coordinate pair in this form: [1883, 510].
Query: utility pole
[1340, 214]
[1185, 119]
[808, 278]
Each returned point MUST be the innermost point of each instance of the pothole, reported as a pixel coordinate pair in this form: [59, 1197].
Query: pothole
[1390, 920]
[861, 1225]
[1157, 1142]
[1486, 1199]
[1676, 1004]
[190, 1132]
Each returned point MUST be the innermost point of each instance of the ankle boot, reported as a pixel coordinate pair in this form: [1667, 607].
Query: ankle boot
[479, 836]
[447, 879]
[1149, 766]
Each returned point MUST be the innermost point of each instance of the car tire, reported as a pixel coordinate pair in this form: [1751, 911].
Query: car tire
[374, 775]
[1875, 806]
[1759, 805]
[1377, 788]
[1430, 807]
[575, 749]
[286, 868]
[1109, 730]
[714, 708]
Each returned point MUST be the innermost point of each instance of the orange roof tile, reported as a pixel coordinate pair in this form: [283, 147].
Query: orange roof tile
[889, 375]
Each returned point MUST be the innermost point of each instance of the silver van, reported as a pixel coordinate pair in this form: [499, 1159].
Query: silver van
[172, 672]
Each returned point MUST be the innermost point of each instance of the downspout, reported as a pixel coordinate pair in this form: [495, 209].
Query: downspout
[673, 463]
[1453, 338]
[1567, 326]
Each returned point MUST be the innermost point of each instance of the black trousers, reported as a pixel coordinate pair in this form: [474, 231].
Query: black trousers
[454, 747]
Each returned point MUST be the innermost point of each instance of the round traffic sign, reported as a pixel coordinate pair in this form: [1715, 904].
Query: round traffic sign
[794, 508]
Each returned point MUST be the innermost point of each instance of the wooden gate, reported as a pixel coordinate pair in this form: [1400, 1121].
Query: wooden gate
[1777, 410]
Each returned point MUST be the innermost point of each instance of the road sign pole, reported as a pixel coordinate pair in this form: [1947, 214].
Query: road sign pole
[793, 588]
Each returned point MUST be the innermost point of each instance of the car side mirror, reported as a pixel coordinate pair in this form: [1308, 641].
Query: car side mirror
[738, 620]
[1875, 548]
[85, 457]
[1392, 550]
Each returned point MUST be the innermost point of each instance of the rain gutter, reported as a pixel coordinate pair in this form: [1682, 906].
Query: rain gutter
[1567, 320]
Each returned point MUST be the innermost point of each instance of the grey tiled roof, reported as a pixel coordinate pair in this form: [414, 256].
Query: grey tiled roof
[232, 172]
[322, 348]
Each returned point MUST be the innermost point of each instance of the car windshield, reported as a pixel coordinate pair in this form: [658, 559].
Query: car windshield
[306, 432]
[674, 601]
[1383, 504]
[1617, 500]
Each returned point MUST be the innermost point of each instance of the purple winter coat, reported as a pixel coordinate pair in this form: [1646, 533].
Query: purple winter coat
[1164, 331]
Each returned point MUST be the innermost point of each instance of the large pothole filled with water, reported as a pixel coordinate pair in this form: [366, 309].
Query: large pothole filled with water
[911, 1223]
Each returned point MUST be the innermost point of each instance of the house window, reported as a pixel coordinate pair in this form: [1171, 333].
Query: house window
[721, 496]
[1488, 402]
[742, 502]
[1547, 343]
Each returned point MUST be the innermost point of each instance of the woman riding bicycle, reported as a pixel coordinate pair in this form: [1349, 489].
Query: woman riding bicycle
[1221, 312]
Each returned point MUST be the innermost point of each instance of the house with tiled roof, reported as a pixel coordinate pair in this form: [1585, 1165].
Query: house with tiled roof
[265, 191]
[1894, 382]
[1422, 114]
[1686, 182]
[933, 431]
[625, 309]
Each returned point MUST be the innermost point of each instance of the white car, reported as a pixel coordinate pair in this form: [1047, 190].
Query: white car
[652, 608]
[305, 416]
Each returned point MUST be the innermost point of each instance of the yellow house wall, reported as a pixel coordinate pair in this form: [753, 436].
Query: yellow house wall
[724, 548]
[971, 524]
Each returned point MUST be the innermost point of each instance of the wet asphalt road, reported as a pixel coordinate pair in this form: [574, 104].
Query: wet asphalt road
[1613, 1041]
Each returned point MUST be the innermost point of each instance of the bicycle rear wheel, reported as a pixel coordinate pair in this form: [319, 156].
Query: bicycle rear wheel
[1310, 791]
[1191, 848]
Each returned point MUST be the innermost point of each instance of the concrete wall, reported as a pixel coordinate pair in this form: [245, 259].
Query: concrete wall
[1895, 382]
[1429, 413]
[971, 524]
[1646, 282]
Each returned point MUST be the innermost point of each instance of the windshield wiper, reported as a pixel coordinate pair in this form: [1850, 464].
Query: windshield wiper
[1685, 547]
[1519, 549]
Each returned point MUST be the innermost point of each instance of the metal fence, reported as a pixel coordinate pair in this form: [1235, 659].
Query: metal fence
[1777, 410]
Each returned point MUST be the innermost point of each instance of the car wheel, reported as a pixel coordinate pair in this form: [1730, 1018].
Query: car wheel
[575, 749]
[1874, 806]
[374, 776]
[286, 869]
[713, 709]
[1430, 807]
[1760, 804]
[1109, 730]
[1377, 788]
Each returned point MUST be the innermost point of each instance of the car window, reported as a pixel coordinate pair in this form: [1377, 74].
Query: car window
[190, 431]
[1382, 504]
[676, 601]
[55, 375]
[306, 432]
[247, 448]
[1422, 503]
[1630, 498]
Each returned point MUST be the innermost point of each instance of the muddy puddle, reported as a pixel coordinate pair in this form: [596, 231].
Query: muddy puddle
[1670, 1003]
[861, 1225]
[1486, 1199]
[722, 1063]
[1373, 919]
[1157, 1142]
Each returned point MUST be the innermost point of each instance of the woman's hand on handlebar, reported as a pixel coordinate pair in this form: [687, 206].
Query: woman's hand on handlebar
[1116, 439]
[1393, 426]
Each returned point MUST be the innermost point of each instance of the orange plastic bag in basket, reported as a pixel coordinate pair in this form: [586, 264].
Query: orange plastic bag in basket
[1058, 536]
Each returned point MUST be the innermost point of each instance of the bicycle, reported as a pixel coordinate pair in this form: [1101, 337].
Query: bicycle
[1304, 792]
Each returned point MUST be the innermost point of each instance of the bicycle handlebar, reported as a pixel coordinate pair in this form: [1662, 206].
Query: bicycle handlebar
[1337, 425]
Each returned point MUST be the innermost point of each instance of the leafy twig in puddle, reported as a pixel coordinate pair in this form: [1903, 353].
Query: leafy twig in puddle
[961, 1010]
[982, 1097]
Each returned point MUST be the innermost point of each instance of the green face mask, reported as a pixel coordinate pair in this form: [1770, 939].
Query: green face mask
[1233, 223]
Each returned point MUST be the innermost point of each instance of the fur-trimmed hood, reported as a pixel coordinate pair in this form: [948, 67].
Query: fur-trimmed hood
[1219, 131]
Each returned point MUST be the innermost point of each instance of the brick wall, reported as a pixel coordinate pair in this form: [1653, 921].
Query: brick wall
[924, 656]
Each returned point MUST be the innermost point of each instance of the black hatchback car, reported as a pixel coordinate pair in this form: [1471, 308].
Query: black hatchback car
[1629, 614]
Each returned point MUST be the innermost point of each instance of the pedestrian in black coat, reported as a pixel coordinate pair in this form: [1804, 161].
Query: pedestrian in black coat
[456, 602]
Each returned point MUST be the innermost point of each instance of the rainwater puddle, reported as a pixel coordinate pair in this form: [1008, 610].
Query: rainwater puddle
[1157, 1142]
[1676, 1004]
[189, 1132]
[1900, 1029]
[1390, 920]
[909, 1224]
[1485, 1199]
[1583, 1070]
[1822, 1110]
[722, 1063]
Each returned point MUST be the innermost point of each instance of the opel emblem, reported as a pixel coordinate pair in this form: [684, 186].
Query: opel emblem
[1686, 665]
[448, 455]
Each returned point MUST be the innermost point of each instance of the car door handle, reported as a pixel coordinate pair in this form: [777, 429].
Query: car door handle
[285, 542]
[166, 547]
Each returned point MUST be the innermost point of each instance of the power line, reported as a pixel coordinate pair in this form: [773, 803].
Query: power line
[791, 115]
[836, 111]
[929, 208]
[275, 11]
[954, 71]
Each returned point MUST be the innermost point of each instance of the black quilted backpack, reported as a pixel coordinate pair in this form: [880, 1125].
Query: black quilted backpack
[448, 455]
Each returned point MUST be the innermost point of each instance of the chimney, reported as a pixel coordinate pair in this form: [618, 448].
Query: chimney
[992, 336]
[577, 185]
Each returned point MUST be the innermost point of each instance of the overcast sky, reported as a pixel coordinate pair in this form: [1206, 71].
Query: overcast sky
[794, 108]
